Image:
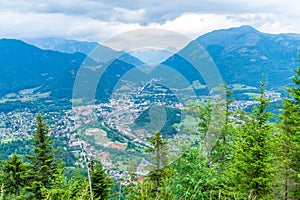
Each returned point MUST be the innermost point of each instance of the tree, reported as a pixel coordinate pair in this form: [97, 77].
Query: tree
[15, 175]
[159, 169]
[61, 188]
[289, 143]
[58, 189]
[202, 113]
[43, 163]
[142, 190]
[154, 185]
[193, 178]
[221, 152]
[101, 182]
[296, 134]
[251, 171]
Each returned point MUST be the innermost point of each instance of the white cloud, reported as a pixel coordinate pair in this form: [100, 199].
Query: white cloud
[121, 14]
[99, 20]
[35, 25]
[194, 25]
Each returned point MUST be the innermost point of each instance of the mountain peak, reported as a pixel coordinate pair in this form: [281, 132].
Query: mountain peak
[244, 28]
[227, 35]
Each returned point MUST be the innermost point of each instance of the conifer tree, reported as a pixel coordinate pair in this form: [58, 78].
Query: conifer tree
[202, 113]
[251, 171]
[154, 185]
[193, 178]
[15, 175]
[101, 182]
[289, 143]
[221, 153]
[44, 165]
[296, 134]
[160, 151]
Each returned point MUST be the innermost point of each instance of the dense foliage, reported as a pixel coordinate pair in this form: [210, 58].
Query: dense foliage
[253, 158]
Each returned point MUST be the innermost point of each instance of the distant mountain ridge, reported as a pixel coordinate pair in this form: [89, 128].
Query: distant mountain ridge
[63, 45]
[243, 55]
[25, 66]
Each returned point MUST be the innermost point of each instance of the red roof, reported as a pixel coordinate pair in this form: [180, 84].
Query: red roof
[118, 146]
[104, 157]
[140, 179]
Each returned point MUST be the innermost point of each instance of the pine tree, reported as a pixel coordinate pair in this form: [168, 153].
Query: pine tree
[289, 142]
[101, 182]
[44, 165]
[59, 188]
[153, 185]
[193, 178]
[142, 191]
[15, 175]
[202, 113]
[251, 171]
[2, 192]
[296, 134]
[160, 151]
[221, 154]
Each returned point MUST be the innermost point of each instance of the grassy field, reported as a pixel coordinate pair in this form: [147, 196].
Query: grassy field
[100, 136]
[252, 95]
[236, 87]
[29, 97]
[28, 91]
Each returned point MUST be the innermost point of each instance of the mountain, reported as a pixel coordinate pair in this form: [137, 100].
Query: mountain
[63, 45]
[245, 55]
[24, 66]
[242, 55]
[62, 87]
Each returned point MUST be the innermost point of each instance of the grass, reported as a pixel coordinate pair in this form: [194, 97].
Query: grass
[76, 101]
[99, 136]
[122, 166]
[236, 87]
[30, 97]
[28, 91]
[251, 94]
[43, 95]
[102, 140]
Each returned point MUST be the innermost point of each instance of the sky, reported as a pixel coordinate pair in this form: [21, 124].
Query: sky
[95, 20]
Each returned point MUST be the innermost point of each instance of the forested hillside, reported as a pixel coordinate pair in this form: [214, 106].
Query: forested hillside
[253, 158]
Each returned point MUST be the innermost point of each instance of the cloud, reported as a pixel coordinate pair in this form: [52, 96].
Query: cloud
[149, 11]
[37, 25]
[99, 20]
[194, 25]
[125, 15]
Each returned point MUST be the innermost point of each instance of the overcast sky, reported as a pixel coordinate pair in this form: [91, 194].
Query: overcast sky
[96, 20]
